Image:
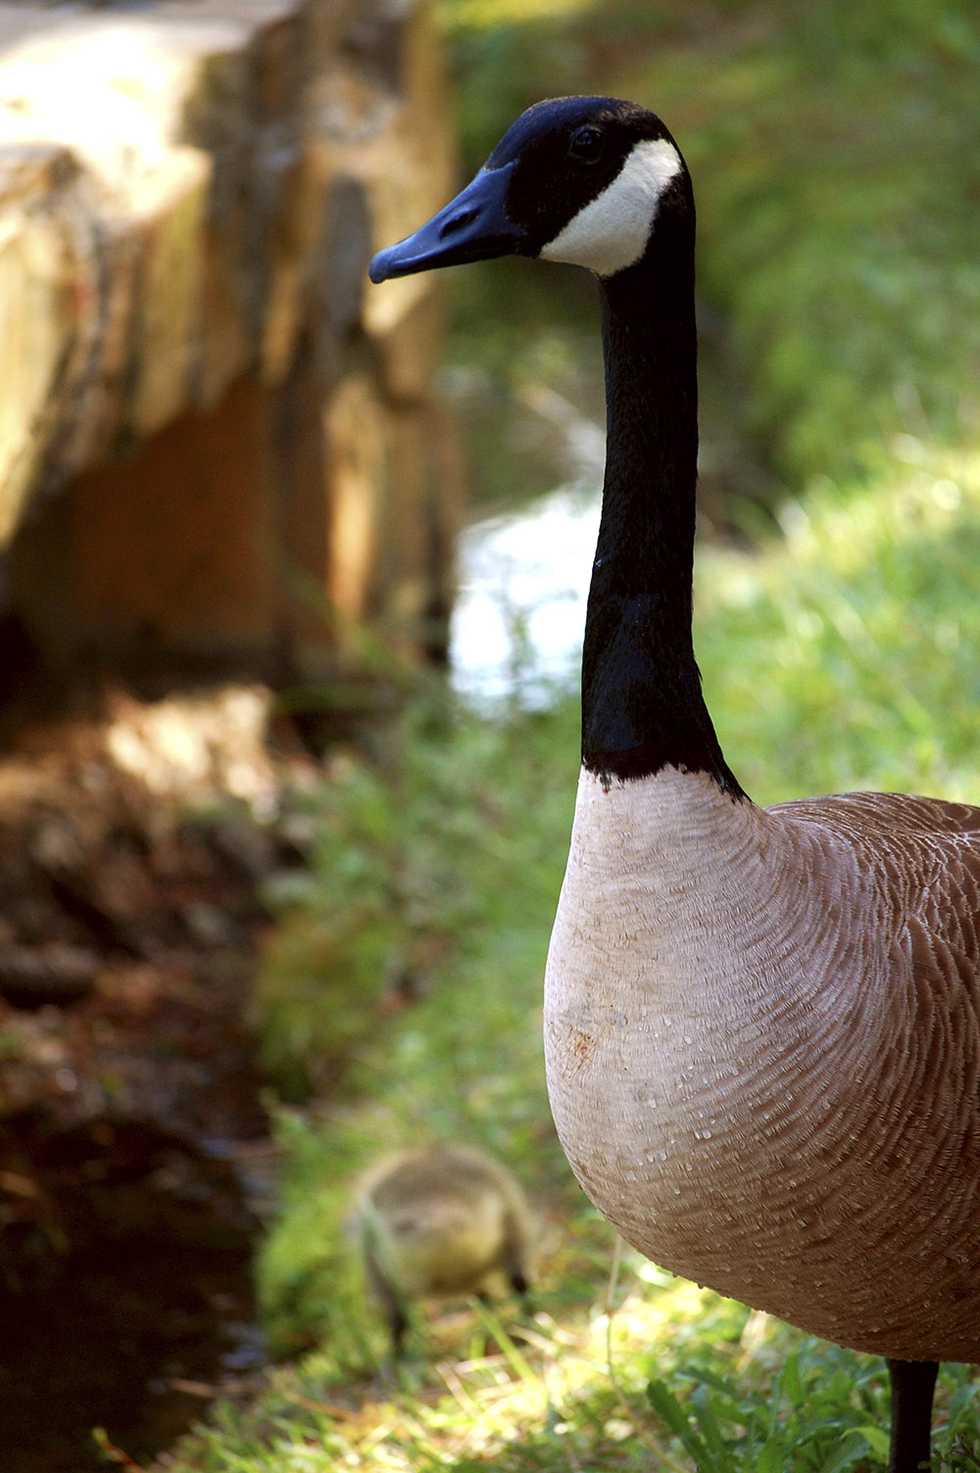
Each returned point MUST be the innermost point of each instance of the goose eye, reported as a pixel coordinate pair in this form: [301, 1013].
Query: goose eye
[585, 145]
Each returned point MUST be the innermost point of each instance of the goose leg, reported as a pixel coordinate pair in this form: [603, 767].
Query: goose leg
[913, 1384]
[390, 1302]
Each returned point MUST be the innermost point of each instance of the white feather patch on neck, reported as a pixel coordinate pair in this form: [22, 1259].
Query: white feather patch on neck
[612, 231]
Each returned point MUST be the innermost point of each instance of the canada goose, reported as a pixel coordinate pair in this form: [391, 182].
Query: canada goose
[445, 1220]
[761, 1025]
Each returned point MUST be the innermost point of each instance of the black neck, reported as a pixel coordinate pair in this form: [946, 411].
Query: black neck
[642, 707]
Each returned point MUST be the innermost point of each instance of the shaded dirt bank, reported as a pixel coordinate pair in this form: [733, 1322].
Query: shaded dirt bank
[134, 1159]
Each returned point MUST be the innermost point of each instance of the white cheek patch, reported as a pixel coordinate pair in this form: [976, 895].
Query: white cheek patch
[612, 231]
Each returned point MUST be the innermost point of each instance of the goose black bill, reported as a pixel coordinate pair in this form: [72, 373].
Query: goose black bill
[474, 226]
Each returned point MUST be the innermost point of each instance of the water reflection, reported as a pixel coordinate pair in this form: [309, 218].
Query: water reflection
[524, 577]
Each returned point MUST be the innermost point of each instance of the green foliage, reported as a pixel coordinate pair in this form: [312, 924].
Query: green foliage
[432, 849]
[409, 873]
[837, 198]
[834, 156]
[320, 989]
[849, 655]
[824, 1412]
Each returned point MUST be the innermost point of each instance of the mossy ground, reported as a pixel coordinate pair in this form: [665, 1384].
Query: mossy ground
[830, 146]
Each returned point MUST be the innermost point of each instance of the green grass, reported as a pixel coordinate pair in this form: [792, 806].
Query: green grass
[848, 656]
[593, 1401]
[439, 845]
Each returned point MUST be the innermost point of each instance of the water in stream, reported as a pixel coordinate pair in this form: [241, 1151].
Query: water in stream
[524, 576]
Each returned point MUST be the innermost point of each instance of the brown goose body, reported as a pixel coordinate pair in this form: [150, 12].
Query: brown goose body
[762, 1032]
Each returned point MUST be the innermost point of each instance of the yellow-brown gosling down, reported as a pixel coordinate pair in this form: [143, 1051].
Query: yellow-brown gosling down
[447, 1220]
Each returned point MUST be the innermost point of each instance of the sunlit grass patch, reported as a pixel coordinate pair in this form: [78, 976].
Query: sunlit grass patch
[848, 656]
[676, 1379]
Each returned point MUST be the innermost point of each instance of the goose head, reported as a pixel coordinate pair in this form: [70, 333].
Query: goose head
[591, 181]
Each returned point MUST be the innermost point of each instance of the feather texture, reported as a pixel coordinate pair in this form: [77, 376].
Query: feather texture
[763, 1044]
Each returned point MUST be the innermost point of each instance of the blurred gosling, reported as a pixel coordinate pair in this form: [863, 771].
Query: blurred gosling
[446, 1220]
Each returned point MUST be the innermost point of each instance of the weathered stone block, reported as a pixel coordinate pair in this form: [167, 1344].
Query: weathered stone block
[171, 548]
[356, 435]
[193, 407]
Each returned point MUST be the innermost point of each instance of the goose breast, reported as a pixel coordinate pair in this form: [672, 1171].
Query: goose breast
[763, 1050]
